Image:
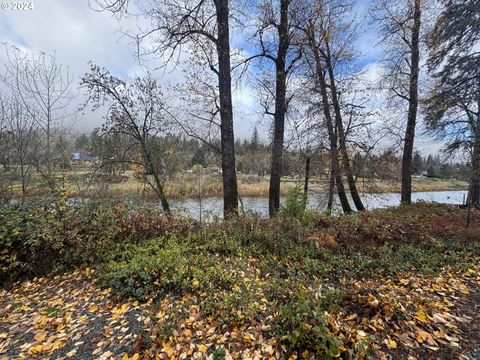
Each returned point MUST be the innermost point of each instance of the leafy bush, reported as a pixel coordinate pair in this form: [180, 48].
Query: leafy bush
[242, 270]
[295, 207]
[161, 266]
[302, 326]
[42, 237]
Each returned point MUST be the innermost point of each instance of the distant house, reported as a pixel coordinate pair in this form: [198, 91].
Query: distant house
[81, 158]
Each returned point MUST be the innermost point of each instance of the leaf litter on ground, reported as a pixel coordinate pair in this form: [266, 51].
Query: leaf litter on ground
[406, 315]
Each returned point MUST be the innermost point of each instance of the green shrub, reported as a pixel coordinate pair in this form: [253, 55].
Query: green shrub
[302, 326]
[43, 237]
[161, 266]
[295, 207]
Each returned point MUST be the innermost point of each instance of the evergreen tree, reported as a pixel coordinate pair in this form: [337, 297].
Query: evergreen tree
[417, 163]
[255, 141]
[199, 157]
[453, 109]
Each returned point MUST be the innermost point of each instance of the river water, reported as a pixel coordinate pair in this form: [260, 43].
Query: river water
[213, 207]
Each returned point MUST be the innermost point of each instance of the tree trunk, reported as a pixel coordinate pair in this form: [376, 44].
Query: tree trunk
[158, 183]
[406, 197]
[341, 135]
[307, 175]
[280, 110]
[23, 175]
[331, 189]
[473, 198]
[227, 139]
[331, 133]
[48, 154]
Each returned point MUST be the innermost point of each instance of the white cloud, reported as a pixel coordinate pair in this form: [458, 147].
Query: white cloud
[79, 34]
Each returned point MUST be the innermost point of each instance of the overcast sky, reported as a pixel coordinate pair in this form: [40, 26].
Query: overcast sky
[79, 34]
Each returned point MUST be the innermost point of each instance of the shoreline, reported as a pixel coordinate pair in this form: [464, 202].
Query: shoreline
[187, 189]
[284, 193]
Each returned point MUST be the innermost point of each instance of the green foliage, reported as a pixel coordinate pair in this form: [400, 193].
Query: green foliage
[219, 354]
[301, 325]
[244, 269]
[40, 238]
[161, 266]
[295, 207]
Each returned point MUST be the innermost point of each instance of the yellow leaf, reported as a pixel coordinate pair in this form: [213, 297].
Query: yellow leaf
[93, 308]
[420, 315]
[117, 311]
[391, 344]
[135, 356]
[57, 345]
[40, 348]
[352, 317]
[195, 282]
[169, 351]
[202, 348]
[36, 349]
[422, 335]
[40, 337]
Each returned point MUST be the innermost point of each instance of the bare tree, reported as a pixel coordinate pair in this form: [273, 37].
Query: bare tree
[5, 139]
[305, 131]
[400, 24]
[335, 38]
[200, 119]
[202, 26]
[136, 110]
[276, 38]
[43, 87]
[22, 137]
[314, 34]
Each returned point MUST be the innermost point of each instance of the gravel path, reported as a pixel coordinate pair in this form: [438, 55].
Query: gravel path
[67, 317]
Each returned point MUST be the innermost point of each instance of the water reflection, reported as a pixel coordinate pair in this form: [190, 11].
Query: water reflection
[213, 207]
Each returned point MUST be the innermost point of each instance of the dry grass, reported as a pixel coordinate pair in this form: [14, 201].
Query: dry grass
[187, 186]
[418, 184]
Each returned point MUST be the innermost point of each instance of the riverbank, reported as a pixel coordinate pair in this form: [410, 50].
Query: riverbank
[394, 282]
[210, 185]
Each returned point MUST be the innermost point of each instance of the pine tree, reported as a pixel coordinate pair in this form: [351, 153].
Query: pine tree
[255, 141]
[453, 109]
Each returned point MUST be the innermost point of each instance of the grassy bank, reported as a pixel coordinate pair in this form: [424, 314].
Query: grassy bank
[210, 185]
[418, 184]
[302, 286]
